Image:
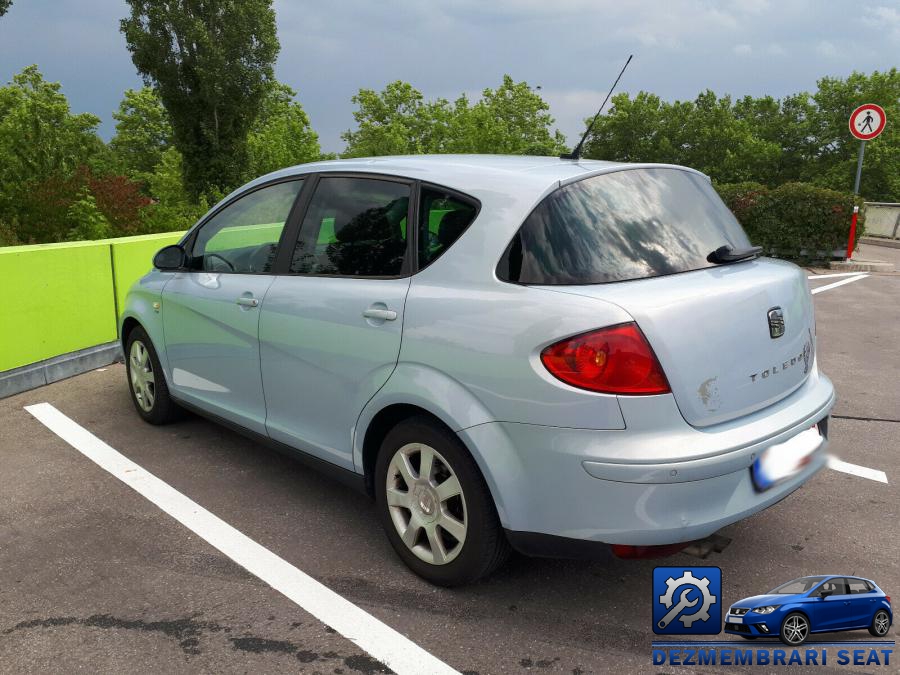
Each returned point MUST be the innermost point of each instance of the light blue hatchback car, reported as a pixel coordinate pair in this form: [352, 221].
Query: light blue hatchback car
[528, 352]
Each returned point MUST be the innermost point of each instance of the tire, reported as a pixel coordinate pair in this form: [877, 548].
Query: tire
[146, 381]
[794, 629]
[454, 535]
[881, 624]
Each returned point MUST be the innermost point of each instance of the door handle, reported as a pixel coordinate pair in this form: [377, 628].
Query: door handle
[247, 302]
[383, 314]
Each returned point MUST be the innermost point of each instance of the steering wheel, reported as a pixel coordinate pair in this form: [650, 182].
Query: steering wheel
[216, 255]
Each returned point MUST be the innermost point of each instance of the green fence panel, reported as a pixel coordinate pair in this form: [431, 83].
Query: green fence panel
[57, 298]
[133, 257]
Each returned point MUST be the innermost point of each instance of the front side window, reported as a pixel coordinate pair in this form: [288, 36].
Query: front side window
[628, 224]
[243, 237]
[443, 217]
[354, 227]
[796, 586]
[836, 586]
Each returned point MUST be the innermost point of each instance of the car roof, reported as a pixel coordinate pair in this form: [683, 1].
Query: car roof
[472, 174]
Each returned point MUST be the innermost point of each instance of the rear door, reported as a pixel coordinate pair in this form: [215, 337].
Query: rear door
[211, 312]
[330, 327]
[862, 601]
[731, 338]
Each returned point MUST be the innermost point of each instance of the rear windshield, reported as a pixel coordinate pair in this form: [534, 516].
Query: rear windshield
[628, 224]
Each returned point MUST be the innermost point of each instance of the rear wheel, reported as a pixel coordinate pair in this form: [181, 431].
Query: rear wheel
[794, 629]
[881, 622]
[147, 384]
[435, 506]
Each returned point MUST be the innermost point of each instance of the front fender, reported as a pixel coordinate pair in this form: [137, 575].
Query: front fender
[139, 306]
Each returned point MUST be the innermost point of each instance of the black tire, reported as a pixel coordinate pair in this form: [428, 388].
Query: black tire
[801, 620]
[163, 409]
[881, 613]
[484, 547]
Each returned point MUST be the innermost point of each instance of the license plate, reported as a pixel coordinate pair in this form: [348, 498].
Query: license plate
[783, 460]
[735, 619]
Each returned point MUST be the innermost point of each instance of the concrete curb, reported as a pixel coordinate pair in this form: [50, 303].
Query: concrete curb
[879, 241]
[38, 374]
[862, 266]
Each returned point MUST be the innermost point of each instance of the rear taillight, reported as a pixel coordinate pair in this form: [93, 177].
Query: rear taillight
[615, 360]
[888, 598]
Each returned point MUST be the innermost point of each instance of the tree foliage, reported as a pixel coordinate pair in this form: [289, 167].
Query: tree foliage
[4, 6]
[210, 61]
[281, 135]
[512, 119]
[143, 133]
[802, 137]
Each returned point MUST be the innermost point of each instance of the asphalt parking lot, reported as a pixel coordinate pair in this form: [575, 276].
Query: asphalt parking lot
[94, 577]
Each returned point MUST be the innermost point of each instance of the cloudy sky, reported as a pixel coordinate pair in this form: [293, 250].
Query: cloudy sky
[572, 49]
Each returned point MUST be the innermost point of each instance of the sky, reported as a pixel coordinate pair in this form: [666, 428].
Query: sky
[572, 49]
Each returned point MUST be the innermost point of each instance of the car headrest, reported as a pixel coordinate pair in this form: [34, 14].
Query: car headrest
[452, 225]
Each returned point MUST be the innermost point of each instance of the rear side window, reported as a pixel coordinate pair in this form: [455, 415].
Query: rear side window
[859, 586]
[628, 224]
[354, 227]
[443, 217]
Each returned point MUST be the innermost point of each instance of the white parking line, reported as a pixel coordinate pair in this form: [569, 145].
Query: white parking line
[381, 641]
[849, 280]
[812, 277]
[856, 470]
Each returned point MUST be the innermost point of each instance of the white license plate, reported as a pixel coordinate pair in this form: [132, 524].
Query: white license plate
[784, 460]
[735, 619]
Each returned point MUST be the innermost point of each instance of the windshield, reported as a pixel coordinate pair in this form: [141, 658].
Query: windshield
[797, 586]
[628, 224]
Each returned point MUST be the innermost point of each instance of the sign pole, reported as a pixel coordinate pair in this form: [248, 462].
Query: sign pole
[859, 162]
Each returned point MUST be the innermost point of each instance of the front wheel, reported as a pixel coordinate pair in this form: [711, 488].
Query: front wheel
[881, 622]
[435, 506]
[147, 383]
[794, 630]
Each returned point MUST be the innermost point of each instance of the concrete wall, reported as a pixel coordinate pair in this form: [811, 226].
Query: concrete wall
[883, 220]
[60, 298]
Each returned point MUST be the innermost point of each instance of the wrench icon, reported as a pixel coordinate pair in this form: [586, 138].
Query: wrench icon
[680, 605]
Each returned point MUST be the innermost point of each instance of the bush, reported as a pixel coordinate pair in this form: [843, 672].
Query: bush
[797, 221]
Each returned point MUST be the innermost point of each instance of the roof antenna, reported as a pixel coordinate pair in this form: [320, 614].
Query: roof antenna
[576, 153]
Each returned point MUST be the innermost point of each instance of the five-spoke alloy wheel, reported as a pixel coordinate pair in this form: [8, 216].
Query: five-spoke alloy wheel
[435, 505]
[881, 622]
[794, 629]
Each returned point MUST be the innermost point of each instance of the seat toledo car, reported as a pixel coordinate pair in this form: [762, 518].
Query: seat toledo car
[550, 355]
[820, 604]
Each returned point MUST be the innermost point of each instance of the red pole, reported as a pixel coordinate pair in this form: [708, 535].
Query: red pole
[852, 232]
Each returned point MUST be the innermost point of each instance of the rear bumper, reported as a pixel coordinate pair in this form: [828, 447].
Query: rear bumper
[655, 483]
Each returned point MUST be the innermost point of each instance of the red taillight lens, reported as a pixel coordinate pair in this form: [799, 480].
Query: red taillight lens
[888, 598]
[615, 360]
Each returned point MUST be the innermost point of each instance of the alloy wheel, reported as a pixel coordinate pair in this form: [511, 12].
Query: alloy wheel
[143, 380]
[426, 503]
[796, 629]
[882, 622]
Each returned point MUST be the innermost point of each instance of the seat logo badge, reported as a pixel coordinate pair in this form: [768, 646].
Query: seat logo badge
[776, 322]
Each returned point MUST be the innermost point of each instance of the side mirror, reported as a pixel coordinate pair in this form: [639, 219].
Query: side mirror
[825, 594]
[170, 258]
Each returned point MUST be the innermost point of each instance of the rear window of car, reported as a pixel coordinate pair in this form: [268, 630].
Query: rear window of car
[629, 224]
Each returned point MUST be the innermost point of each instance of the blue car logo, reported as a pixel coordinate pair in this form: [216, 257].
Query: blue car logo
[817, 604]
[686, 600]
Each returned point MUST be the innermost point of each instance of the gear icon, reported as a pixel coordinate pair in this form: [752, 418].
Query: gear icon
[701, 584]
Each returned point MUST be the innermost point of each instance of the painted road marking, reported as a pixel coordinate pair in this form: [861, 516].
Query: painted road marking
[849, 280]
[856, 470]
[813, 277]
[393, 649]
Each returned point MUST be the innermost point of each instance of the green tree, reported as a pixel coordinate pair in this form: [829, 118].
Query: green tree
[172, 208]
[512, 119]
[85, 220]
[282, 135]
[143, 133]
[41, 143]
[210, 61]
[4, 6]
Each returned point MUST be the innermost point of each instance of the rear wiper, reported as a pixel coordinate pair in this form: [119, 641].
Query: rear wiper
[728, 254]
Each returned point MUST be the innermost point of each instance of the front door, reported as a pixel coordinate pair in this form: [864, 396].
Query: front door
[832, 611]
[211, 312]
[330, 328]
